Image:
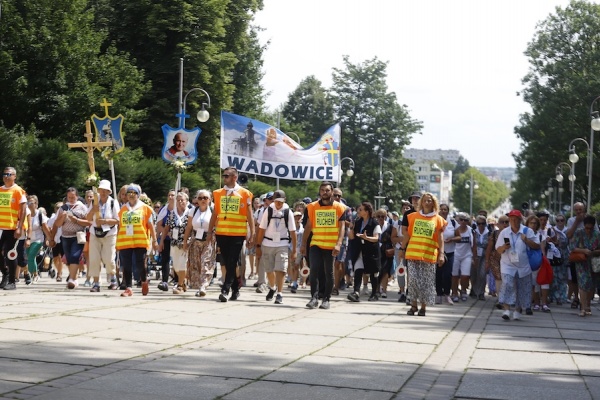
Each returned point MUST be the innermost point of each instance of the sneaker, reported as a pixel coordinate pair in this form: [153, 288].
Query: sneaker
[202, 291]
[481, 297]
[4, 281]
[384, 295]
[279, 299]
[335, 292]
[223, 298]
[353, 297]
[516, 316]
[545, 308]
[464, 297]
[95, 288]
[164, 286]
[528, 311]
[536, 307]
[261, 288]
[506, 315]
[402, 298]
[365, 291]
[313, 303]
[36, 278]
[87, 283]
[10, 286]
[72, 284]
[373, 298]
[177, 290]
[127, 293]
[113, 285]
[294, 287]
[455, 299]
[270, 294]
[145, 287]
[438, 299]
[28, 279]
[235, 295]
[325, 305]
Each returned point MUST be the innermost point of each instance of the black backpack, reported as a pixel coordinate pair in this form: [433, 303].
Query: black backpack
[285, 217]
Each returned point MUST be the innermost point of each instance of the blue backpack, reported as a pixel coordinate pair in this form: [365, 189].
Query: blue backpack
[534, 256]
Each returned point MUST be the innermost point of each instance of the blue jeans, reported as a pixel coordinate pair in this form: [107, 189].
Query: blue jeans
[72, 249]
[130, 259]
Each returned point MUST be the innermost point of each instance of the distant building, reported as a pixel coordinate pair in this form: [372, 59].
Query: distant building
[419, 155]
[433, 180]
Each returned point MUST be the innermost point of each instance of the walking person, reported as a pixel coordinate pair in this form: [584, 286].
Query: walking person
[443, 275]
[104, 217]
[72, 217]
[423, 247]
[175, 228]
[13, 205]
[277, 230]
[231, 220]
[135, 237]
[39, 233]
[202, 252]
[326, 223]
[478, 270]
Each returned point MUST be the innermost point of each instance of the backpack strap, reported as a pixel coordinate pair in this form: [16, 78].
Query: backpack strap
[286, 214]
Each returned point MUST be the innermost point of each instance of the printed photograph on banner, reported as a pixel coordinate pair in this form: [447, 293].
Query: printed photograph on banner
[258, 148]
[180, 144]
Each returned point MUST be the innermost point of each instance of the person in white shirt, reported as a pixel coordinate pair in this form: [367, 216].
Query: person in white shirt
[443, 275]
[514, 265]
[272, 244]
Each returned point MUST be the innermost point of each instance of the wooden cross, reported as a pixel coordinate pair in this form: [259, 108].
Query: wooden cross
[89, 146]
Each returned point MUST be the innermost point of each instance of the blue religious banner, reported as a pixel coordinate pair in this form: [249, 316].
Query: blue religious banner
[255, 147]
[109, 129]
[180, 143]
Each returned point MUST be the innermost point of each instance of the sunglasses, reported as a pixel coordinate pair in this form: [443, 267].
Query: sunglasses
[203, 198]
[560, 220]
[481, 223]
[463, 220]
[503, 222]
[131, 193]
[7, 174]
[337, 195]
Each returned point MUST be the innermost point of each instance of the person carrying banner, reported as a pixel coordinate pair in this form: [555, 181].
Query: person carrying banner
[231, 218]
[13, 205]
[276, 231]
[326, 223]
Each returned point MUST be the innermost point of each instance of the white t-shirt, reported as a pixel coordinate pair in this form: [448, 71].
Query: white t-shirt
[276, 228]
[200, 221]
[37, 234]
[520, 264]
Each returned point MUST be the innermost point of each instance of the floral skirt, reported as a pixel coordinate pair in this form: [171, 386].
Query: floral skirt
[421, 282]
[201, 263]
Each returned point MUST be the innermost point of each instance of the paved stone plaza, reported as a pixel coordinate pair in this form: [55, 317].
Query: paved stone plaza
[59, 344]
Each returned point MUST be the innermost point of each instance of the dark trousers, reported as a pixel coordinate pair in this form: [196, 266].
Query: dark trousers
[358, 275]
[130, 259]
[8, 267]
[165, 258]
[230, 246]
[443, 276]
[320, 260]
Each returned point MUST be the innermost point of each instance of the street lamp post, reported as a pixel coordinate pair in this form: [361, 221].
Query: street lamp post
[471, 185]
[381, 177]
[594, 126]
[560, 178]
[574, 158]
[349, 172]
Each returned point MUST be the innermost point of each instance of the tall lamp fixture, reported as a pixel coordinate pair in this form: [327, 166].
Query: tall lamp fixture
[595, 126]
[574, 158]
[560, 178]
[349, 172]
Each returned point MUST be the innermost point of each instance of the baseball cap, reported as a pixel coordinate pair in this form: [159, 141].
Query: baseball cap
[307, 200]
[269, 196]
[279, 195]
[515, 213]
[417, 194]
[395, 213]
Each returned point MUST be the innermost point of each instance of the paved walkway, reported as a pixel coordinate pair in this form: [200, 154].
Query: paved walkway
[59, 344]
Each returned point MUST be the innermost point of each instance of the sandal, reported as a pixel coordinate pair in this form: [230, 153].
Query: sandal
[421, 312]
[575, 304]
[582, 313]
[412, 310]
[588, 312]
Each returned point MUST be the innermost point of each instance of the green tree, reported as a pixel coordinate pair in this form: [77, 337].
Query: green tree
[563, 79]
[308, 110]
[373, 124]
[56, 71]
[487, 195]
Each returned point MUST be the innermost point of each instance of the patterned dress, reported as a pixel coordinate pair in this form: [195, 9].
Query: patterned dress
[558, 287]
[585, 277]
[202, 253]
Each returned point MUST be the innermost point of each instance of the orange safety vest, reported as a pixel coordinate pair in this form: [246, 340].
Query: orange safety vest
[134, 228]
[232, 211]
[325, 223]
[424, 233]
[10, 207]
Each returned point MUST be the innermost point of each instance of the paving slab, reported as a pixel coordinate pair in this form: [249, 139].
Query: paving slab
[523, 344]
[505, 360]
[589, 365]
[385, 333]
[24, 371]
[508, 385]
[345, 373]
[375, 350]
[290, 391]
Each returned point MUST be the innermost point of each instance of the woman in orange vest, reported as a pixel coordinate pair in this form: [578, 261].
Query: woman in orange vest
[136, 235]
[423, 248]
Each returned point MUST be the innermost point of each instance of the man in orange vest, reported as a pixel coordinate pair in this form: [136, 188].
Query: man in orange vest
[232, 218]
[13, 205]
[327, 224]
